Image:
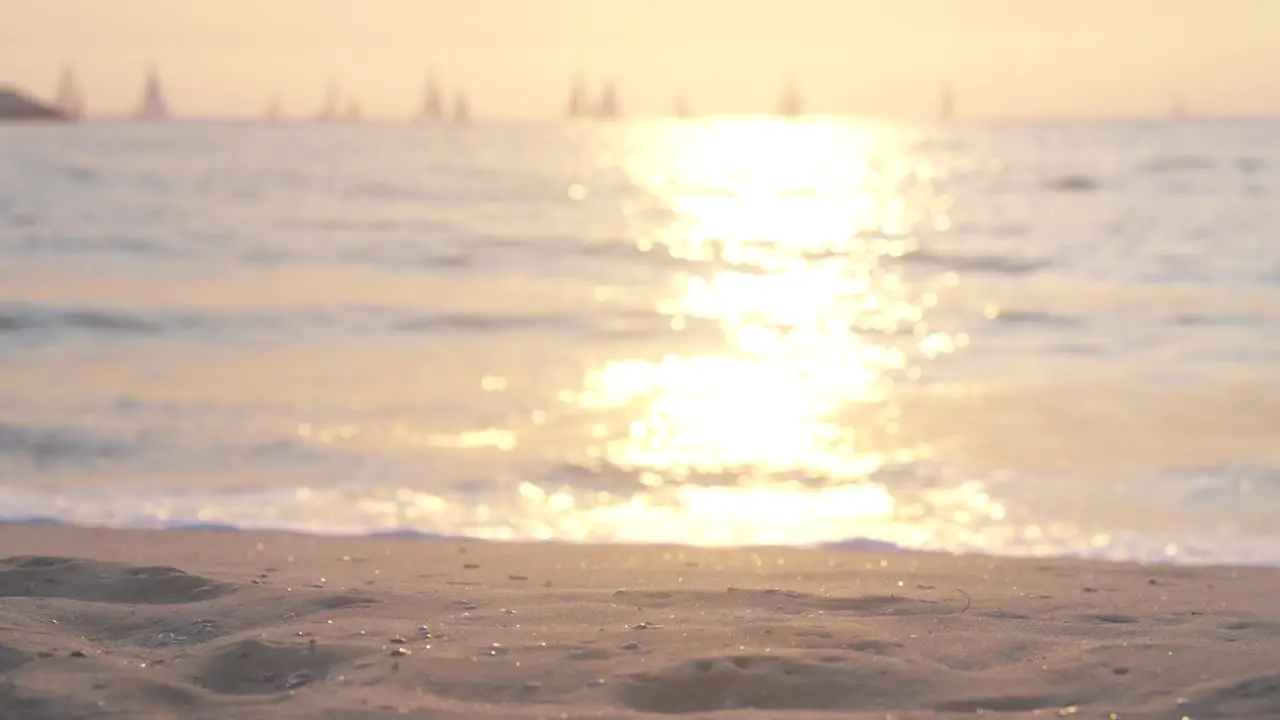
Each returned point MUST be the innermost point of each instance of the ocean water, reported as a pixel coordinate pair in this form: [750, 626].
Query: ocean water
[1014, 338]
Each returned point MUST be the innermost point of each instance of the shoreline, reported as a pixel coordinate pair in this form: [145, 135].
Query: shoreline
[198, 623]
[860, 546]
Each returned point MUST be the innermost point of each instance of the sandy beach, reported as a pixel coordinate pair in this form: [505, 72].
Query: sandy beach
[199, 624]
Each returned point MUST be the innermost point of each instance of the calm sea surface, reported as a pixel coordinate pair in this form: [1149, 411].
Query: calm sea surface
[1020, 338]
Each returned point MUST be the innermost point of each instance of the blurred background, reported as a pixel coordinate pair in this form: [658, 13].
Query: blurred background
[1000, 278]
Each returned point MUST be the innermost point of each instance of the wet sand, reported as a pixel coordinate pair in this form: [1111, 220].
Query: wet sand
[200, 624]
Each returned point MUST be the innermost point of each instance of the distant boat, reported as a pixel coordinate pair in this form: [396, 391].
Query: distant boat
[461, 109]
[1177, 110]
[578, 100]
[608, 107]
[69, 98]
[432, 104]
[947, 104]
[681, 107]
[273, 108]
[790, 105]
[580, 107]
[353, 113]
[330, 110]
[153, 105]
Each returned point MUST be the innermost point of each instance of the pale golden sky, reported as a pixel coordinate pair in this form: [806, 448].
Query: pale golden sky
[517, 57]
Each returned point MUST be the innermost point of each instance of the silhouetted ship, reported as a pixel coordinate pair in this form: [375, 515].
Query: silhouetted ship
[153, 106]
[608, 107]
[947, 104]
[272, 112]
[331, 109]
[1177, 110]
[680, 108]
[432, 103]
[581, 107]
[69, 99]
[461, 109]
[353, 112]
[577, 107]
[790, 105]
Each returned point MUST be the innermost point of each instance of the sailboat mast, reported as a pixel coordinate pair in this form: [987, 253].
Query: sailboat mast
[608, 102]
[577, 98]
[154, 106]
[790, 104]
[681, 108]
[273, 107]
[432, 104]
[70, 98]
[461, 108]
[332, 98]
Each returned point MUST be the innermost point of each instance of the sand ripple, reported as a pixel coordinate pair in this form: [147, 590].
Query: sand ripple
[280, 626]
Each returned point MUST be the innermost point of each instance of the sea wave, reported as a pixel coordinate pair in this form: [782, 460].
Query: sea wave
[722, 516]
[1209, 550]
[28, 317]
[18, 320]
[124, 245]
[25, 448]
[1041, 318]
[53, 444]
[1073, 183]
[986, 263]
[1170, 164]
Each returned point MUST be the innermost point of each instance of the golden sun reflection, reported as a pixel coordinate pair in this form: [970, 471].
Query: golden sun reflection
[787, 229]
[777, 399]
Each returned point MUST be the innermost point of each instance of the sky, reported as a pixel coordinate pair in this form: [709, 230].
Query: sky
[1004, 58]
